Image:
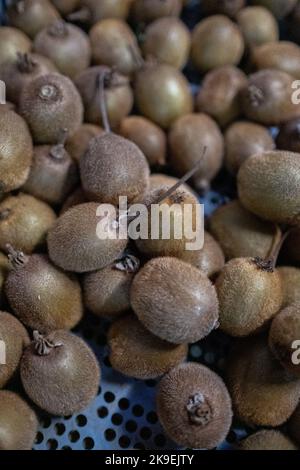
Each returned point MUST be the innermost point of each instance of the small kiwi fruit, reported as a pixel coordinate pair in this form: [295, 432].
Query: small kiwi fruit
[280, 55]
[135, 352]
[268, 186]
[294, 426]
[194, 406]
[107, 292]
[279, 8]
[147, 136]
[146, 11]
[92, 11]
[289, 136]
[261, 392]
[66, 45]
[216, 41]
[18, 422]
[73, 243]
[291, 248]
[290, 278]
[219, 94]
[243, 139]
[75, 198]
[15, 338]
[77, 144]
[24, 222]
[187, 137]
[174, 300]
[66, 7]
[16, 150]
[42, 296]
[4, 269]
[267, 439]
[258, 26]
[223, 7]
[267, 99]
[12, 42]
[60, 373]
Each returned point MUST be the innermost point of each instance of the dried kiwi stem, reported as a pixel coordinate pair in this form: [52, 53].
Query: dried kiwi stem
[42, 345]
[128, 263]
[199, 410]
[57, 152]
[256, 95]
[269, 264]
[16, 258]
[101, 82]
[83, 15]
[25, 63]
[58, 29]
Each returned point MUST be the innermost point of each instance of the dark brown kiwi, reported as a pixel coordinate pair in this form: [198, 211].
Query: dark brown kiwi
[24, 222]
[267, 439]
[4, 269]
[15, 151]
[280, 8]
[42, 296]
[50, 103]
[187, 137]
[290, 278]
[60, 373]
[294, 426]
[291, 247]
[289, 136]
[18, 422]
[135, 352]
[92, 11]
[243, 139]
[107, 292]
[219, 94]
[15, 338]
[73, 243]
[12, 42]
[66, 6]
[174, 300]
[268, 186]
[216, 41]
[66, 45]
[75, 198]
[223, 7]
[194, 406]
[77, 144]
[261, 392]
[258, 26]
[146, 11]
[267, 99]
[280, 55]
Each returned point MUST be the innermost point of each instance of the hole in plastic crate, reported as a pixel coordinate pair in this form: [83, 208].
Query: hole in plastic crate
[110, 435]
[152, 417]
[145, 433]
[81, 420]
[138, 410]
[52, 444]
[88, 443]
[102, 412]
[117, 419]
[46, 422]
[124, 442]
[123, 404]
[66, 448]
[39, 438]
[74, 436]
[60, 429]
[109, 397]
[131, 426]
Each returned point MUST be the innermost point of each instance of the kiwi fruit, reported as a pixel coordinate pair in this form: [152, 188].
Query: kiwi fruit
[167, 40]
[267, 439]
[78, 143]
[42, 296]
[216, 41]
[18, 422]
[240, 233]
[279, 8]
[50, 103]
[162, 94]
[12, 42]
[107, 292]
[66, 7]
[162, 181]
[73, 243]
[16, 151]
[15, 338]
[280, 55]
[66, 45]
[293, 24]
[290, 278]
[243, 139]
[291, 248]
[174, 300]
[194, 406]
[147, 136]
[135, 352]
[24, 222]
[289, 136]
[223, 7]
[4, 268]
[294, 426]
[187, 137]
[219, 94]
[261, 392]
[118, 95]
[146, 11]
[92, 11]
[267, 99]
[60, 373]
[75, 198]
[258, 26]
[268, 186]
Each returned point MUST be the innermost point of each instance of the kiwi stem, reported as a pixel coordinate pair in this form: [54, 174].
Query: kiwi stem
[57, 152]
[128, 263]
[16, 258]
[83, 15]
[25, 63]
[199, 410]
[256, 95]
[42, 345]
[58, 29]
[269, 264]
[101, 87]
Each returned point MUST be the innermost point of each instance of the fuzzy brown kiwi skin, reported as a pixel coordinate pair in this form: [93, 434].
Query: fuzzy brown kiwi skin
[75, 198]
[135, 352]
[146, 11]
[289, 136]
[60, 373]
[106, 9]
[18, 422]
[77, 144]
[4, 269]
[280, 8]
[73, 243]
[50, 103]
[66, 6]
[258, 26]
[280, 55]
[294, 426]
[267, 439]
[174, 300]
[12, 41]
[194, 406]
[224, 7]
[290, 277]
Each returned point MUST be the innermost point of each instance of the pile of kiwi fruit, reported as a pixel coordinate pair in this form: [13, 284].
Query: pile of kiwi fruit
[100, 106]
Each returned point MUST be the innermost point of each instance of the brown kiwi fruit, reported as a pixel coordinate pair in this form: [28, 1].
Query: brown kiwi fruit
[60, 373]
[146, 11]
[258, 26]
[279, 8]
[16, 151]
[73, 243]
[290, 278]
[75, 198]
[240, 233]
[135, 352]
[18, 422]
[24, 222]
[267, 99]
[4, 269]
[243, 139]
[261, 392]
[167, 40]
[78, 143]
[267, 439]
[194, 406]
[219, 94]
[66, 45]
[15, 338]
[12, 42]
[174, 300]
[147, 136]
[92, 11]
[223, 7]
[187, 137]
[289, 136]
[42, 296]
[107, 292]
[280, 55]
[49, 104]
[268, 185]
[216, 41]
[294, 426]
[66, 6]
[291, 247]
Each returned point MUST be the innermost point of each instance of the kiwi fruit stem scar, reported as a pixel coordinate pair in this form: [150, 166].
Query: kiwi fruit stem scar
[269, 263]
[42, 345]
[16, 258]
